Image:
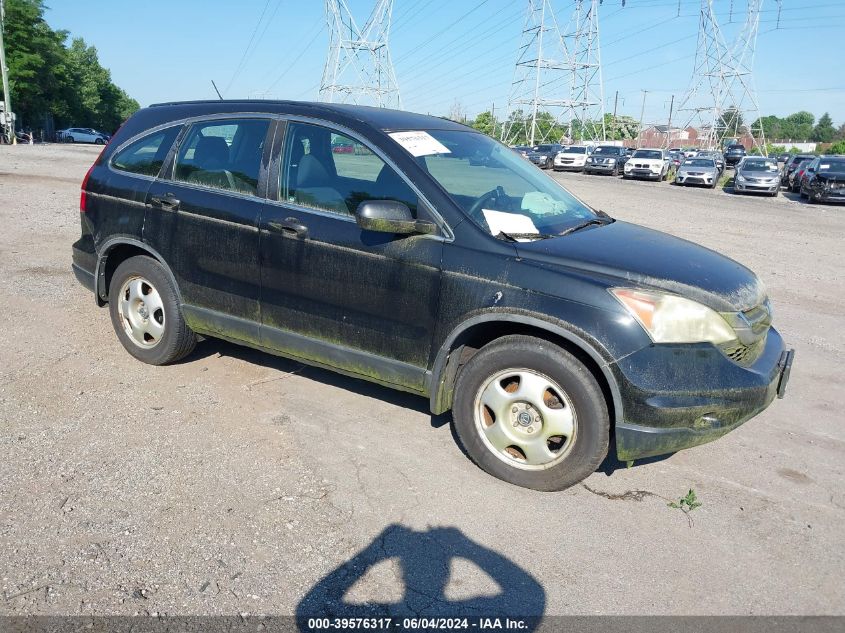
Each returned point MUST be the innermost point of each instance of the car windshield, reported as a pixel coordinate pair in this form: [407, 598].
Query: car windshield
[759, 165]
[832, 165]
[543, 148]
[736, 148]
[605, 150]
[575, 149]
[503, 194]
[647, 153]
[699, 162]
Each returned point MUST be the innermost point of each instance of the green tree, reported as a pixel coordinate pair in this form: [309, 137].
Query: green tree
[798, 126]
[824, 132]
[485, 124]
[46, 77]
[836, 148]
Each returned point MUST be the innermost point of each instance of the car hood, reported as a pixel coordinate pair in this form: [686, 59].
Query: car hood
[642, 257]
[646, 161]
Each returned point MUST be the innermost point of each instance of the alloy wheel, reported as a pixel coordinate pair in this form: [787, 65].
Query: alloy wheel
[141, 312]
[525, 418]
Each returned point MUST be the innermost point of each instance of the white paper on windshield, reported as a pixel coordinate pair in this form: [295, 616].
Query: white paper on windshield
[503, 222]
[419, 143]
[824, 166]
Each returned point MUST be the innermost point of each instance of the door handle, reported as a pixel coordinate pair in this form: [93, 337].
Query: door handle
[168, 201]
[289, 227]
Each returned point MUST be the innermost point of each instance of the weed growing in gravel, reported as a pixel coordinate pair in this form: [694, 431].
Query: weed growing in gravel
[686, 504]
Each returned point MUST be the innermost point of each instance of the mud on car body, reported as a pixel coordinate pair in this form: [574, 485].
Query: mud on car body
[546, 327]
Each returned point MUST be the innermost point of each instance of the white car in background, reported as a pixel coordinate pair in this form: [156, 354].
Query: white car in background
[571, 157]
[647, 162]
[83, 135]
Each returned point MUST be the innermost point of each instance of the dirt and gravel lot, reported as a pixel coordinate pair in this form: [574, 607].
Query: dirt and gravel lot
[237, 482]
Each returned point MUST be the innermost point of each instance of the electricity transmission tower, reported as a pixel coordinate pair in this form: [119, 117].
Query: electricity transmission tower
[358, 67]
[557, 89]
[722, 100]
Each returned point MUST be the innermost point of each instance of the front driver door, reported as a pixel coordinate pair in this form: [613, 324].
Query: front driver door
[360, 301]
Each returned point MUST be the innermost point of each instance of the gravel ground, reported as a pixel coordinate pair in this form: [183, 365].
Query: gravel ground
[237, 482]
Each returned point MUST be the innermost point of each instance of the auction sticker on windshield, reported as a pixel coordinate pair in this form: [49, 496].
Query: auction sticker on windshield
[419, 143]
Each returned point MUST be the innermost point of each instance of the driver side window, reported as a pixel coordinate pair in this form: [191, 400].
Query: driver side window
[331, 172]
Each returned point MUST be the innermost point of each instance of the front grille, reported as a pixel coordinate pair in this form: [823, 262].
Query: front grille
[744, 354]
[752, 328]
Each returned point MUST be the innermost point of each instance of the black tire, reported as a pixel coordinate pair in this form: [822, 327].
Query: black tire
[70, 139]
[549, 163]
[592, 428]
[98, 141]
[177, 340]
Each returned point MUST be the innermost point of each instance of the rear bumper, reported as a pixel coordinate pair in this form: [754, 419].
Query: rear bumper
[676, 397]
[83, 276]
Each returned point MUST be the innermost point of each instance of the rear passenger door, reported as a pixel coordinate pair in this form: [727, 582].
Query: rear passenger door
[202, 216]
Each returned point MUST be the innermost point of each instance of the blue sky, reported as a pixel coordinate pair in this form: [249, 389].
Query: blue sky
[163, 50]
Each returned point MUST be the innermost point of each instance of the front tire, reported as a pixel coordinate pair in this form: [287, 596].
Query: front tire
[145, 312]
[531, 414]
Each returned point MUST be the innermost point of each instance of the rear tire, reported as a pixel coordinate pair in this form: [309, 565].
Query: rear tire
[551, 426]
[145, 312]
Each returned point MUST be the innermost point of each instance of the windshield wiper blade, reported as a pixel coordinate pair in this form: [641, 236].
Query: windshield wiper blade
[584, 225]
[515, 237]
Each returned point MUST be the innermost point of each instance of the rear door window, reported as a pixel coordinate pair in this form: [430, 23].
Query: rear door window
[223, 154]
[146, 155]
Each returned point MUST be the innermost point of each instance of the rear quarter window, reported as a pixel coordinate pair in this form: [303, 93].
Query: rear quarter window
[146, 155]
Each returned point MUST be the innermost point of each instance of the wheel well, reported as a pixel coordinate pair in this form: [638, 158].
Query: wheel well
[114, 258]
[474, 338]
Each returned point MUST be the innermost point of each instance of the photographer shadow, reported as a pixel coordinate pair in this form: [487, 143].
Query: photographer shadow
[424, 561]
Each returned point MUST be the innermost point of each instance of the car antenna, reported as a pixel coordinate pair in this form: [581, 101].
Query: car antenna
[216, 90]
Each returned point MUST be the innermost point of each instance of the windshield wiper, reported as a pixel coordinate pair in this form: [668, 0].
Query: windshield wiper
[515, 237]
[584, 225]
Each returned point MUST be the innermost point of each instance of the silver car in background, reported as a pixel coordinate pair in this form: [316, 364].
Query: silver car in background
[757, 174]
[698, 171]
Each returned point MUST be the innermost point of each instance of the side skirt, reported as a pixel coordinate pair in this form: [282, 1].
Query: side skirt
[310, 351]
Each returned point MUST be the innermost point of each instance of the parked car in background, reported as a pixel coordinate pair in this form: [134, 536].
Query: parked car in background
[689, 152]
[734, 154]
[605, 159]
[548, 328]
[717, 157]
[824, 180]
[650, 163]
[782, 158]
[676, 158]
[544, 155]
[793, 182]
[522, 150]
[82, 135]
[757, 174]
[792, 164]
[698, 171]
[571, 158]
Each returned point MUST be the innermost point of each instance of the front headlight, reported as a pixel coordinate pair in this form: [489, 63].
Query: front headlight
[611, 160]
[589, 160]
[740, 178]
[669, 318]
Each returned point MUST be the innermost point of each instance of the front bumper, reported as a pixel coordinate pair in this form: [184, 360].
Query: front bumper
[683, 179]
[603, 167]
[642, 173]
[746, 187]
[679, 396]
[570, 166]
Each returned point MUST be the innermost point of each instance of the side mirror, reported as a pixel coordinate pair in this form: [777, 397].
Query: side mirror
[387, 216]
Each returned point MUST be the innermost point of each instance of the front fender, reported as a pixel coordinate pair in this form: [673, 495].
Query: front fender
[443, 371]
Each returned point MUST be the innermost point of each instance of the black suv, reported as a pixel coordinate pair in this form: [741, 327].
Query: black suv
[366, 241]
[606, 159]
[734, 154]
